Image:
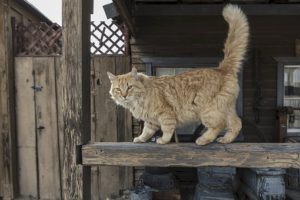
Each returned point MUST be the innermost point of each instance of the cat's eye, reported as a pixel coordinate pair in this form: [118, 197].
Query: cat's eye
[129, 87]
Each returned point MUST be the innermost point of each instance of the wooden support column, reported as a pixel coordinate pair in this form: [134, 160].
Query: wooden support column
[297, 47]
[76, 95]
[8, 166]
[125, 14]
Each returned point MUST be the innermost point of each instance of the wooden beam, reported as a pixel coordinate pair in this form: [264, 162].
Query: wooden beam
[76, 95]
[8, 148]
[125, 14]
[191, 10]
[248, 155]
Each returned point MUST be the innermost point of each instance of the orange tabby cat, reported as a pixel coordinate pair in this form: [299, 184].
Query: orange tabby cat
[202, 95]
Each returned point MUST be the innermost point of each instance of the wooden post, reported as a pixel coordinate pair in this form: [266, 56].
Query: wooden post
[8, 166]
[76, 95]
[297, 47]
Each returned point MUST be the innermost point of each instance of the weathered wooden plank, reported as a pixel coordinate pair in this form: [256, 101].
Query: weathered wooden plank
[124, 125]
[76, 95]
[125, 14]
[4, 94]
[249, 155]
[106, 125]
[26, 127]
[4, 110]
[8, 148]
[95, 169]
[59, 118]
[46, 125]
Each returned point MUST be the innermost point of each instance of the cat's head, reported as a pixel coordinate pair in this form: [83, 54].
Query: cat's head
[126, 88]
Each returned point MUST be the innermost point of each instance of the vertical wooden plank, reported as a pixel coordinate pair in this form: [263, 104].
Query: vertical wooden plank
[124, 123]
[8, 148]
[114, 126]
[46, 123]
[106, 129]
[94, 169]
[26, 131]
[76, 95]
[3, 97]
[60, 124]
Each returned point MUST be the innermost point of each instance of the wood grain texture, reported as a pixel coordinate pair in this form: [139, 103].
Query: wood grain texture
[124, 125]
[8, 147]
[95, 169]
[248, 155]
[106, 124]
[76, 95]
[59, 104]
[112, 124]
[46, 125]
[26, 128]
[4, 111]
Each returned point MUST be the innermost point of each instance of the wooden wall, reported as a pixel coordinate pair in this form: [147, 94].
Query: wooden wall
[203, 36]
[8, 162]
[40, 128]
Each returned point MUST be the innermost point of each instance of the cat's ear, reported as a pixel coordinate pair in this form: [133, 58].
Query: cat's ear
[111, 76]
[134, 73]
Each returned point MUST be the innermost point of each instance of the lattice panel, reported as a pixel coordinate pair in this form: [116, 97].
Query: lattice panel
[38, 39]
[107, 38]
[41, 39]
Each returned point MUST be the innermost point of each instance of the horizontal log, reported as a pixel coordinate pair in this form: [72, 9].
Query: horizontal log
[248, 155]
[192, 10]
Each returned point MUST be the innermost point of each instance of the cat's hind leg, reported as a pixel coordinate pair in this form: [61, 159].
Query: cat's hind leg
[168, 126]
[215, 122]
[148, 131]
[209, 136]
[234, 126]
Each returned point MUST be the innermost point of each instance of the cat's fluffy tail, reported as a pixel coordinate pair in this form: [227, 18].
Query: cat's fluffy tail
[237, 39]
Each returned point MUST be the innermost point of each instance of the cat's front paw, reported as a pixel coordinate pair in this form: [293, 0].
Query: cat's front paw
[161, 141]
[224, 140]
[138, 140]
[202, 141]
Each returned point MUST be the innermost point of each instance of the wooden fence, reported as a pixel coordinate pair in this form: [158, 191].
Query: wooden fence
[42, 39]
[39, 126]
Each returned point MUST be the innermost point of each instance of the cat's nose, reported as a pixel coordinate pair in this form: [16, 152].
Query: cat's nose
[124, 95]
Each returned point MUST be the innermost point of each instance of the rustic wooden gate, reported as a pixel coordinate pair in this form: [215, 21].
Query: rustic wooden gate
[39, 126]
